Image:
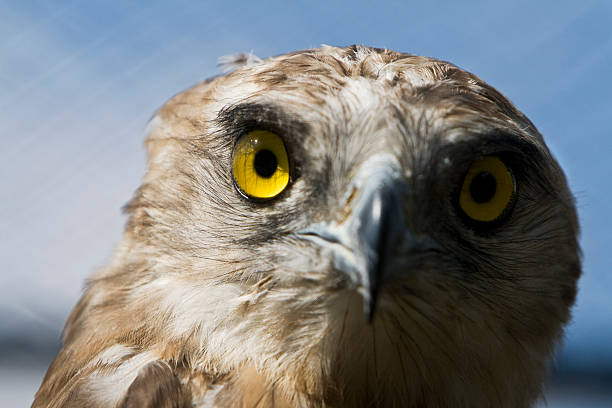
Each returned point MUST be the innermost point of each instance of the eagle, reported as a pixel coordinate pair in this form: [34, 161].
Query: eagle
[333, 227]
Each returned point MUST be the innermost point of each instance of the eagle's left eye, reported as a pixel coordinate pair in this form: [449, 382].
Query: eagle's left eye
[488, 190]
[260, 165]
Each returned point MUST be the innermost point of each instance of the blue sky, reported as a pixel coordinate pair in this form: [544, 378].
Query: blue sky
[79, 80]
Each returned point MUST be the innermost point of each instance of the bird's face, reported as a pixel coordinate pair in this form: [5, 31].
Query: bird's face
[342, 211]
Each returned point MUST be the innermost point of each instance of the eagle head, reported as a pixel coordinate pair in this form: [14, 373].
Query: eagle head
[332, 227]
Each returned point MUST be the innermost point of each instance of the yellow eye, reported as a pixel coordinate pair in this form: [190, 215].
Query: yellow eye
[488, 189]
[261, 165]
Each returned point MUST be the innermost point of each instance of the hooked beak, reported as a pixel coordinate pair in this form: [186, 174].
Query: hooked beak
[365, 245]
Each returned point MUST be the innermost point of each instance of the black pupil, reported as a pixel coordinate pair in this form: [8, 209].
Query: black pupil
[265, 163]
[483, 187]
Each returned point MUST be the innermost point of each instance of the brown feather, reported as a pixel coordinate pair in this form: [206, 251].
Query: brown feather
[156, 386]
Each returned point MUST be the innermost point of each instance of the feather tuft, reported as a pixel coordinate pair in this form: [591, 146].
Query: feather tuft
[231, 62]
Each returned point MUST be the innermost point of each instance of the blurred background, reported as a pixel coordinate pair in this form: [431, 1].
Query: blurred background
[80, 79]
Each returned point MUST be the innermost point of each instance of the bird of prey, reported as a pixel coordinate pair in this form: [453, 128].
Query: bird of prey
[334, 227]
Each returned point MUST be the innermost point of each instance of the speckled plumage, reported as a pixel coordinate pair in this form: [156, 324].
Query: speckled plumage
[212, 300]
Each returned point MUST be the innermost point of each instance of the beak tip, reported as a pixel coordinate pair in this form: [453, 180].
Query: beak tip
[369, 307]
[369, 317]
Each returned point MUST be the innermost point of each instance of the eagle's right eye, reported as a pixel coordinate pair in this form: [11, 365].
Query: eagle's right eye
[260, 165]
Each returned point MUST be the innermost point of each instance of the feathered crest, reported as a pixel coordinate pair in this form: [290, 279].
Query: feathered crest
[228, 63]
